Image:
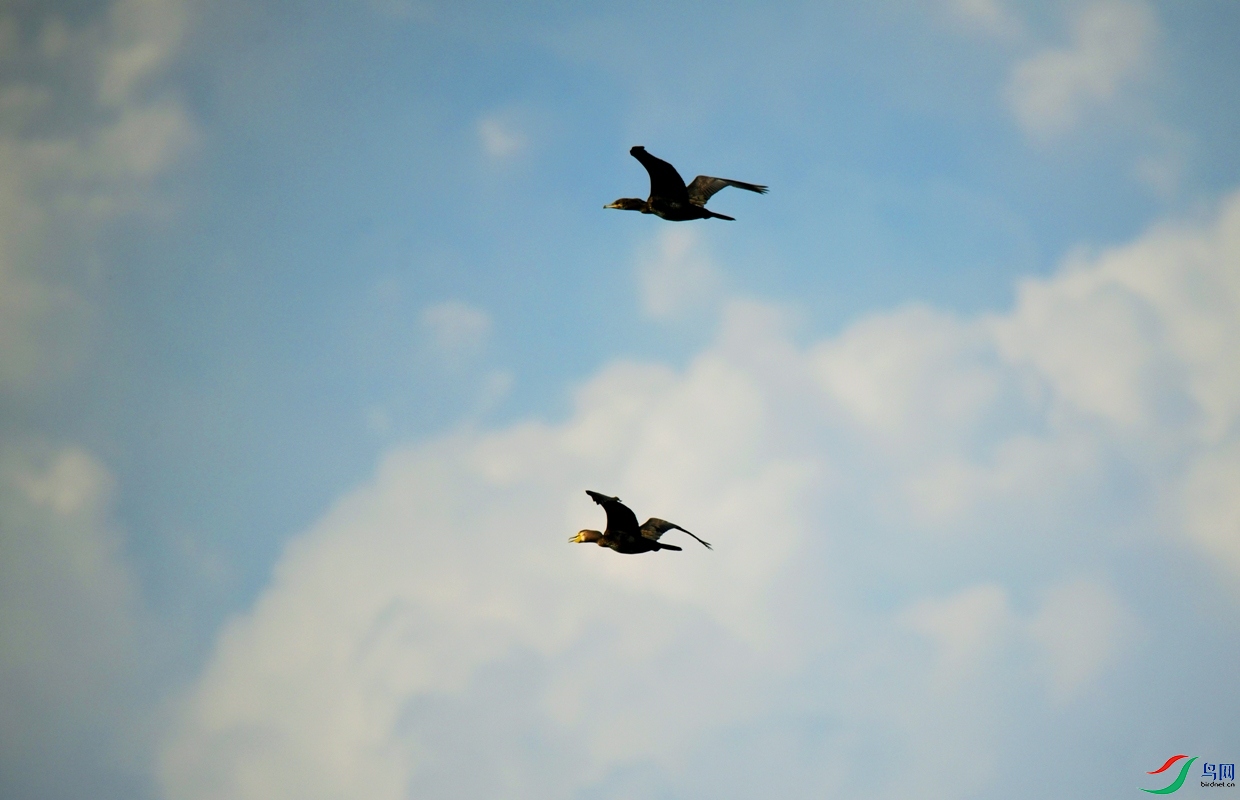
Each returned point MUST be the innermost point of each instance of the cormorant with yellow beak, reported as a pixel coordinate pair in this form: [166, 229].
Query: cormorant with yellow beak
[670, 198]
[623, 533]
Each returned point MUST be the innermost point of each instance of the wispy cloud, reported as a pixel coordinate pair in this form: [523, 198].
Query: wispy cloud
[113, 135]
[1110, 45]
[676, 275]
[990, 17]
[456, 329]
[1082, 628]
[141, 38]
[73, 649]
[501, 138]
[87, 133]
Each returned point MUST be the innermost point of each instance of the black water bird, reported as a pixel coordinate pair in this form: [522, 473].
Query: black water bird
[670, 198]
[623, 533]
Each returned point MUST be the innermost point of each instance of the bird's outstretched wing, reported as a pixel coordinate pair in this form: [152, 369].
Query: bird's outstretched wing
[655, 527]
[621, 521]
[704, 186]
[665, 181]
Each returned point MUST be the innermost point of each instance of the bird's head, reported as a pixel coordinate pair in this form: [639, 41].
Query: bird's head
[628, 204]
[584, 537]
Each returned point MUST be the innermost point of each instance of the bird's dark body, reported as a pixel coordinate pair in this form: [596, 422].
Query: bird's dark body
[631, 546]
[670, 198]
[623, 534]
[680, 212]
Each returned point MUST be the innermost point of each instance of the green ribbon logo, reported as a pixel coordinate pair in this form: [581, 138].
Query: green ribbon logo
[1178, 782]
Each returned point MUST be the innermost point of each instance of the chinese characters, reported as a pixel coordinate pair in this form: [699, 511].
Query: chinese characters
[1218, 772]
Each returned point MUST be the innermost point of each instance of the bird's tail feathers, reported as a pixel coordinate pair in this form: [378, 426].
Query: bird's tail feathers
[717, 215]
[661, 546]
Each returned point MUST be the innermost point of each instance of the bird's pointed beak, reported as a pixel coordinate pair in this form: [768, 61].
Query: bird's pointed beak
[612, 205]
[575, 538]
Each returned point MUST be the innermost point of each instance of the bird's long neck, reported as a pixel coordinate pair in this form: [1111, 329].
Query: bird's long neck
[632, 204]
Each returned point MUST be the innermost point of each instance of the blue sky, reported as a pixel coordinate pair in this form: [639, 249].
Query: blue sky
[313, 329]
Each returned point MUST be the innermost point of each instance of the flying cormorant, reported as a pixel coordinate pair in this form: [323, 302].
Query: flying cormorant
[623, 535]
[670, 198]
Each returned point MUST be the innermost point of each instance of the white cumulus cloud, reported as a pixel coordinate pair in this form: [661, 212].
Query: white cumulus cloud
[894, 511]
